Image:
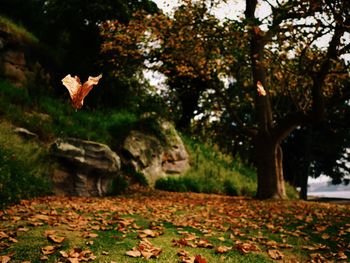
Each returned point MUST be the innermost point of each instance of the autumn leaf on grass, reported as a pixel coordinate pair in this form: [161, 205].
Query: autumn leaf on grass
[77, 91]
[222, 249]
[199, 259]
[246, 247]
[275, 254]
[77, 255]
[48, 250]
[145, 249]
[203, 243]
[148, 233]
[185, 257]
[89, 235]
[135, 253]
[51, 236]
[3, 235]
[341, 256]
[4, 259]
[56, 239]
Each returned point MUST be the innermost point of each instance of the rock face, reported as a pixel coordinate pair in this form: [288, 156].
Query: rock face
[19, 58]
[156, 157]
[86, 168]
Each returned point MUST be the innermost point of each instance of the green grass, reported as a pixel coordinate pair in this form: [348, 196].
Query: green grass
[24, 167]
[16, 30]
[212, 172]
[222, 221]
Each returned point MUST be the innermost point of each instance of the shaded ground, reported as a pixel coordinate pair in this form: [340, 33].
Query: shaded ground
[174, 227]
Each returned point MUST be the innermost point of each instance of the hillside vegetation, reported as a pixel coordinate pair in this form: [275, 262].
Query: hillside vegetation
[49, 117]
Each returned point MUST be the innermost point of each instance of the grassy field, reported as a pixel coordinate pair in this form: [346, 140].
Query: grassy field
[173, 227]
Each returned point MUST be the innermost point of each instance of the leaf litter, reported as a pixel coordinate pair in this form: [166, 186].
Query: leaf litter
[289, 231]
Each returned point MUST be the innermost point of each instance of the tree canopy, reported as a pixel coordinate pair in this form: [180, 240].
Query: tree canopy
[278, 53]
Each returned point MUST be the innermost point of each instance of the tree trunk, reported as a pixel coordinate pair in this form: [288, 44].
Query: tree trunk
[269, 169]
[303, 182]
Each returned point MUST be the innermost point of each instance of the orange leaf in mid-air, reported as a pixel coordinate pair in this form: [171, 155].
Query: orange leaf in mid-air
[77, 91]
[261, 90]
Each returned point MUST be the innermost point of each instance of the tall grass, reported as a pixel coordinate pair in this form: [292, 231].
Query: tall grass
[24, 168]
[212, 172]
[52, 117]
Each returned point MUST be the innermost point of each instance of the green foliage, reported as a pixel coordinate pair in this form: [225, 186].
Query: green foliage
[18, 31]
[23, 168]
[211, 172]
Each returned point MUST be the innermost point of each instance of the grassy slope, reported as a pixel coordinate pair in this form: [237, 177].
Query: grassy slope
[49, 117]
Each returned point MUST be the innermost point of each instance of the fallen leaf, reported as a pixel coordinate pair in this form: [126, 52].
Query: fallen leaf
[275, 254]
[325, 236]
[341, 256]
[56, 239]
[147, 233]
[44, 258]
[3, 235]
[134, 253]
[48, 250]
[222, 249]
[247, 247]
[199, 259]
[4, 259]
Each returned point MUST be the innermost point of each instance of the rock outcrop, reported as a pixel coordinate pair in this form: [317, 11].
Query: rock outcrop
[85, 168]
[156, 156]
[19, 57]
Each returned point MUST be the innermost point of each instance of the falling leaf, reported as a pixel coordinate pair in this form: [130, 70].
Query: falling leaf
[275, 254]
[77, 91]
[260, 89]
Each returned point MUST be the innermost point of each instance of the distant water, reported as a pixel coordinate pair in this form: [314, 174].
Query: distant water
[334, 194]
[322, 187]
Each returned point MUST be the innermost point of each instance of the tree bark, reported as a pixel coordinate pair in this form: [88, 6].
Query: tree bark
[267, 145]
[269, 169]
